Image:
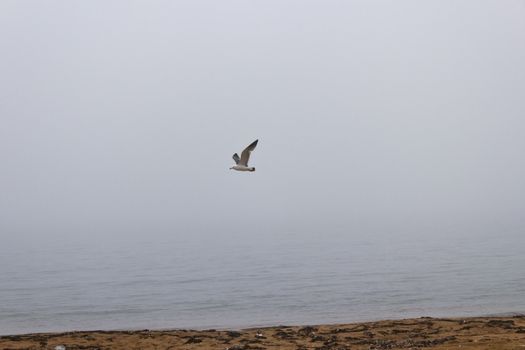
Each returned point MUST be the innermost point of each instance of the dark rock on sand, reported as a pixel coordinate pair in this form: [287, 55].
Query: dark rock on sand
[506, 324]
[233, 334]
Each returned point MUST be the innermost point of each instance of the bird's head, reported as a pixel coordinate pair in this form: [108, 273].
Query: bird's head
[252, 168]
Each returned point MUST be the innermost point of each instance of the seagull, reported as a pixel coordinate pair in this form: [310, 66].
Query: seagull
[241, 164]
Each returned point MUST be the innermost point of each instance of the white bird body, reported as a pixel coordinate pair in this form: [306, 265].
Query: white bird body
[241, 163]
[242, 168]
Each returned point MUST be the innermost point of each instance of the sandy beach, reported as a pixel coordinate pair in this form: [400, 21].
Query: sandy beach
[425, 332]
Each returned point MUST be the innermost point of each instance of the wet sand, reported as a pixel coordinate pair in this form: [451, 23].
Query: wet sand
[435, 333]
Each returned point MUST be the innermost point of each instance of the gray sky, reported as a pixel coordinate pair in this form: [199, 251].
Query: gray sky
[121, 117]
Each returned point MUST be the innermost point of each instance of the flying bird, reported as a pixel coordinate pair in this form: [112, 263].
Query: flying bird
[241, 164]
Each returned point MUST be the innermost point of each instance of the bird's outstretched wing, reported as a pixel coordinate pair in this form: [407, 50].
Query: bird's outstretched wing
[236, 158]
[245, 155]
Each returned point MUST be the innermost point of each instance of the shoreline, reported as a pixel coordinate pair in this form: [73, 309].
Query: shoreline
[488, 332]
[248, 326]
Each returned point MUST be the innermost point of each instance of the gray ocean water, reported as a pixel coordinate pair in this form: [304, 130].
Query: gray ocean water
[238, 281]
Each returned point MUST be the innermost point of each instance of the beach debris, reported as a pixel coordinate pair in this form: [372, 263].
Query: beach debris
[284, 335]
[236, 347]
[259, 335]
[315, 337]
[245, 347]
[368, 334]
[60, 347]
[193, 340]
[330, 347]
[307, 331]
[341, 330]
[331, 341]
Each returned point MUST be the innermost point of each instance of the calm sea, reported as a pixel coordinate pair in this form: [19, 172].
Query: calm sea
[239, 281]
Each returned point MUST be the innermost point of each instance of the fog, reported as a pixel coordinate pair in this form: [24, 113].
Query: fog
[119, 118]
